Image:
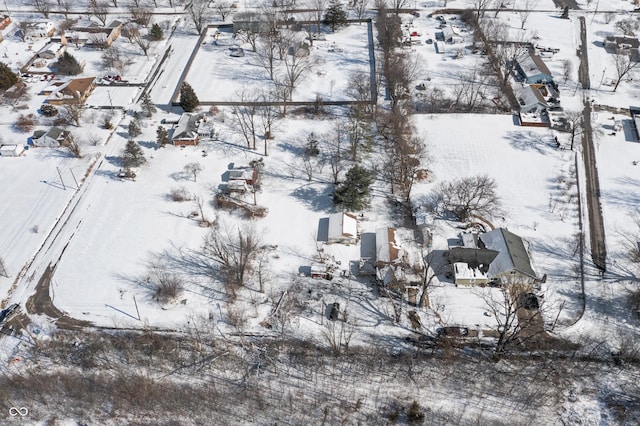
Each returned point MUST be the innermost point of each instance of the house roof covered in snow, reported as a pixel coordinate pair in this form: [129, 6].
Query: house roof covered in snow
[187, 128]
[530, 98]
[512, 254]
[532, 65]
[73, 90]
[386, 249]
[342, 225]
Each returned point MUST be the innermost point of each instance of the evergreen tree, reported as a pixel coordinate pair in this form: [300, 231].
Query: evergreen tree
[7, 77]
[134, 128]
[147, 105]
[156, 32]
[162, 136]
[132, 155]
[353, 193]
[68, 65]
[335, 16]
[188, 98]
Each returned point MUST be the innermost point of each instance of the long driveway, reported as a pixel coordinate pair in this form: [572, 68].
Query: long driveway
[596, 223]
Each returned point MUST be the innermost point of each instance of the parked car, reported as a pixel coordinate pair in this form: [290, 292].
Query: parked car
[452, 331]
[9, 313]
[529, 301]
[334, 311]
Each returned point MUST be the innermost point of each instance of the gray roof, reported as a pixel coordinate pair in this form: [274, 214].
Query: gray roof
[474, 257]
[532, 65]
[512, 253]
[57, 133]
[187, 128]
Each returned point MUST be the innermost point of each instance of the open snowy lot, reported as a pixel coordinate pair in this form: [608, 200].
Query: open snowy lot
[342, 53]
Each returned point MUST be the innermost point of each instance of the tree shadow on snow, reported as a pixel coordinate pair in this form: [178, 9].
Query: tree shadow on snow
[530, 141]
[317, 199]
[622, 197]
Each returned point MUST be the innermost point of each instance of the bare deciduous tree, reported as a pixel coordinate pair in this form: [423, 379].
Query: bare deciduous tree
[25, 29]
[198, 11]
[575, 122]
[296, 67]
[114, 58]
[624, 65]
[3, 269]
[193, 169]
[140, 15]
[567, 69]
[234, 252]
[199, 202]
[245, 117]
[517, 313]
[224, 9]
[269, 117]
[74, 147]
[467, 197]
[360, 7]
[338, 333]
[99, 10]
[42, 6]
[73, 113]
[528, 7]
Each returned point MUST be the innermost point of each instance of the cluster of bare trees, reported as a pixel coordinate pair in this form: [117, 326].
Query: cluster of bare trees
[256, 115]
[234, 252]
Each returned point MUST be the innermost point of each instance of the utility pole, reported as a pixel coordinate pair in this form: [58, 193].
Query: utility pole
[74, 179]
[136, 303]
[60, 174]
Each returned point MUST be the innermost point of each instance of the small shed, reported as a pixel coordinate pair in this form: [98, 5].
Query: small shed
[343, 228]
[319, 270]
[11, 150]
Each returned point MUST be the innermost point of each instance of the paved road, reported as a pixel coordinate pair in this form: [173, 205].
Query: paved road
[596, 223]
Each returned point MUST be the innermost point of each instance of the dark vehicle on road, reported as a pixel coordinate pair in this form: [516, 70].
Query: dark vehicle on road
[9, 313]
[452, 331]
[529, 301]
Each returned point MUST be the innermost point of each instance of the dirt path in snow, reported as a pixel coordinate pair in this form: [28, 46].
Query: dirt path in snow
[40, 303]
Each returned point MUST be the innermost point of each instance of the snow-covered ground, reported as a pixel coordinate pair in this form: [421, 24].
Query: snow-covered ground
[119, 226]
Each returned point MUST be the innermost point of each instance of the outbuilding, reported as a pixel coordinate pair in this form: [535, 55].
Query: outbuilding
[11, 150]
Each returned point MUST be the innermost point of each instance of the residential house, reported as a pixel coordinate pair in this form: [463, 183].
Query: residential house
[623, 45]
[69, 91]
[5, 20]
[95, 34]
[42, 29]
[11, 150]
[532, 69]
[451, 35]
[470, 261]
[343, 228]
[52, 138]
[531, 100]
[186, 131]
[512, 264]
[51, 51]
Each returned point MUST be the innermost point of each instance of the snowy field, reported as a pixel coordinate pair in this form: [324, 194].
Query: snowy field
[342, 53]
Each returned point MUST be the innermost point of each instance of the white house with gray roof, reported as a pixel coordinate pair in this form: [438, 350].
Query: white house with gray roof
[512, 264]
